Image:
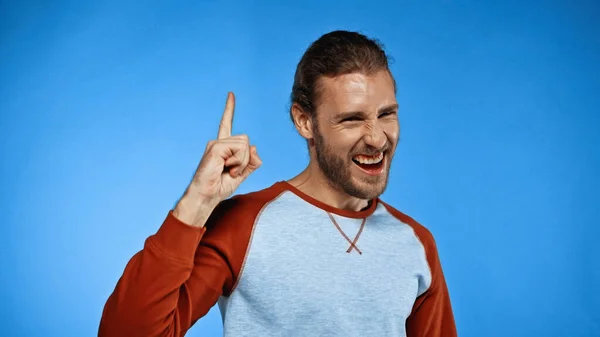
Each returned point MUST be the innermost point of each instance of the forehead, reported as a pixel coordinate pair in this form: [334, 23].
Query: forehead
[357, 92]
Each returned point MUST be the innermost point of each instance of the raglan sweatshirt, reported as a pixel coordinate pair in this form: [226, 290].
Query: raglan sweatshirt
[280, 263]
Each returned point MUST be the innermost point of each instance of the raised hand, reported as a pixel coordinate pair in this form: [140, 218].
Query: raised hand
[226, 162]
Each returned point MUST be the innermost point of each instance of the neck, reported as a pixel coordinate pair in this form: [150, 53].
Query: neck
[313, 182]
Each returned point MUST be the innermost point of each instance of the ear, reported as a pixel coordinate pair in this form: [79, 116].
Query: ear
[302, 121]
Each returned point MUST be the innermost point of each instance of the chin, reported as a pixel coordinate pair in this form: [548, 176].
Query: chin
[367, 190]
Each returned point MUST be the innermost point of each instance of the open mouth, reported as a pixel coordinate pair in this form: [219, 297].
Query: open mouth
[372, 165]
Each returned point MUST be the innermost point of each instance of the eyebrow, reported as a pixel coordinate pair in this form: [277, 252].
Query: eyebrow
[349, 114]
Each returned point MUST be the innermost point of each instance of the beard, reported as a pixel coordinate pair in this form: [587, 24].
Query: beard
[337, 170]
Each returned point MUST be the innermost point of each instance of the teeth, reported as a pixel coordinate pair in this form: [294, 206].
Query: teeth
[369, 159]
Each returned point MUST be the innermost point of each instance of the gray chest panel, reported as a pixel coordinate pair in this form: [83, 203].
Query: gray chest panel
[298, 278]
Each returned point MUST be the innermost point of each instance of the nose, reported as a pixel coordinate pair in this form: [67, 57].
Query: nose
[375, 136]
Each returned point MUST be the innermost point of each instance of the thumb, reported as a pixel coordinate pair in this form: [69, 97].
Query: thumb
[254, 162]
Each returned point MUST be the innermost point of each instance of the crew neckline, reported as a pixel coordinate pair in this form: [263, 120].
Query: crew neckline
[328, 208]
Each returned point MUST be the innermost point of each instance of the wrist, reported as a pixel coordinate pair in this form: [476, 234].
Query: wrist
[193, 210]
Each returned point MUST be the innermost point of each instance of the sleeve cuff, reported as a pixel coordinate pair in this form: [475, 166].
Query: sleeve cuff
[177, 239]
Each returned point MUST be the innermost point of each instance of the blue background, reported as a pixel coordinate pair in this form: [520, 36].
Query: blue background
[106, 109]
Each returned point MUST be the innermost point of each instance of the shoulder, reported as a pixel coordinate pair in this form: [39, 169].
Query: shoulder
[422, 232]
[243, 208]
[229, 229]
[425, 237]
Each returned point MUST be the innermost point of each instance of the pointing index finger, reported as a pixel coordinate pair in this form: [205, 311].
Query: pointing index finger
[227, 119]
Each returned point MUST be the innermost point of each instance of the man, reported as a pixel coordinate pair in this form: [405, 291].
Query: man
[317, 255]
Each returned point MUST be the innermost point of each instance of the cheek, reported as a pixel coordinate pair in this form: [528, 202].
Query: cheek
[346, 137]
[344, 142]
[392, 130]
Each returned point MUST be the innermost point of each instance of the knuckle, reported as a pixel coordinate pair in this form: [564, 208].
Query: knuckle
[210, 145]
[242, 137]
[215, 147]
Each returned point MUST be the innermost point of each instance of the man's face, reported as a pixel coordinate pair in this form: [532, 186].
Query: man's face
[355, 130]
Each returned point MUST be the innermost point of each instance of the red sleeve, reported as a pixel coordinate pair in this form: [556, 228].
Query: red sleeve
[179, 274]
[432, 312]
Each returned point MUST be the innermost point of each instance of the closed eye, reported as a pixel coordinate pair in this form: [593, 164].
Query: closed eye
[351, 119]
[387, 114]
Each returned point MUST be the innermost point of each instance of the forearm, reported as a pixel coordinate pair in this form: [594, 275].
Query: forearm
[147, 300]
[194, 210]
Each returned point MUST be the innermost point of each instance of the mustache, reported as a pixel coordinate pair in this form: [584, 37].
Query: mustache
[372, 151]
